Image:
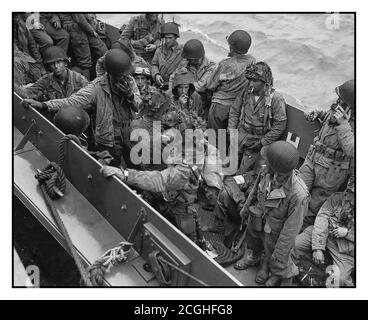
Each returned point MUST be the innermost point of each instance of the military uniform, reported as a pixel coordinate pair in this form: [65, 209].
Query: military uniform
[337, 211]
[282, 208]
[179, 184]
[141, 33]
[113, 112]
[226, 82]
[166, 60]
[263, 120]
[201, 76]
[328, 162]
[49, 88]
[50, 35]
[82, 39]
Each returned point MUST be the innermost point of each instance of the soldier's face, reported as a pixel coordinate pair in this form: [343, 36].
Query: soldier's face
[183, 89]
[152, 17]
[170, 40]
[195, 62]
[58, 67]
[257, 85]
[140, 80]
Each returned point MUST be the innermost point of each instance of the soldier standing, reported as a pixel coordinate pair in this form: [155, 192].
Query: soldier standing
[258, 113]
[143, 32]
[168, 56]
[228, 81]
[276, 217]
[330, 157]
[201, 68]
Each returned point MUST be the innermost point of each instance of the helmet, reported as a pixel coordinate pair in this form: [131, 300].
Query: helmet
[282, 156]
[117, 63]
[170, 28]
[54, 53]
[240, 41]
[124, 45]
[141, 68]
[155, 100]
[259, 71]
[193, 49]
[72, 120]
[183, 76]
[346, 92]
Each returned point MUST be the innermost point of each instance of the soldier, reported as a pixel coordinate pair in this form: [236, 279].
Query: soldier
[168, 56]
[185, 100]
[276, 217]
[60, 83]
[154, 104]
[228, 81]
[200, 67]
[143, 32]
[142, 77]
[258, 113]
[178, 184]
[47, 31]
[125, 46]
[332, 233]
[27, 66]
[83, 40]
[330, 158]
[113, 102]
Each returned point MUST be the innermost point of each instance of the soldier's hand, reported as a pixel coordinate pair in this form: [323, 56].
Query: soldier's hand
[341, 115]
[109, 171]
[318, 257]
[149, 37]
[33, 103]
[95, 34]
[159, 80]
[150, 47]
[38, 26]
[312, 116]
[183, 99]
[57, 25]
[339, 232]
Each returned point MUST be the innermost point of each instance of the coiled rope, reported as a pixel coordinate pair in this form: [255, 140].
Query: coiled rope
[52, 183]
[106, 261]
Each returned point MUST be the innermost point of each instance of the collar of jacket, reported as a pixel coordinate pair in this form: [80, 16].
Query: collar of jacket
[104, 83]
[284, 190]
[56, 84]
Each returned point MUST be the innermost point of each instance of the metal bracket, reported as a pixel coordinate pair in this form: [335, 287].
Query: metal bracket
[161, 271]
[142, 216]
[32, 131]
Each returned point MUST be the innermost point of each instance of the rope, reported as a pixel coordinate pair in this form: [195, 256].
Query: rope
[52, 183]
[106, 261]
[182, 271]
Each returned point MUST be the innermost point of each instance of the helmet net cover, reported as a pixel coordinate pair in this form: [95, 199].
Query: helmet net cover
[259, 71]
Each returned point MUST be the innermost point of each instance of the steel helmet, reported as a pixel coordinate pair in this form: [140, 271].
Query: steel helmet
[126, 46]
[193, 49]
[240, 41]
[346, 92]
[54, 53]
[72, 120]
[142, 68]
[259, 71]
[282, 156]
[117, 63]
[170, 28]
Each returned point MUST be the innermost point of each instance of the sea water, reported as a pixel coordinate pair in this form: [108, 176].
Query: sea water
[309, 54]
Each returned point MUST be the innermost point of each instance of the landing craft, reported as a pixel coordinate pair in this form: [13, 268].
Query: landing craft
[100, 213]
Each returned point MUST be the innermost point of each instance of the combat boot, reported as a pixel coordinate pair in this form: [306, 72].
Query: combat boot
[263, 273]
[273, 281]
[249, 260]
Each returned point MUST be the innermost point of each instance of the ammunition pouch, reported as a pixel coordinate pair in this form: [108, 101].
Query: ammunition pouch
[318, 149]
[256, 218]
